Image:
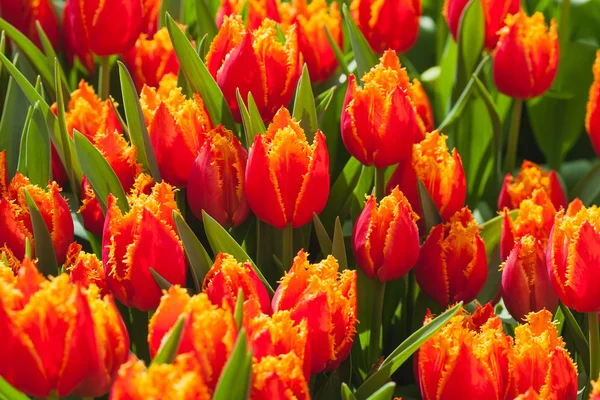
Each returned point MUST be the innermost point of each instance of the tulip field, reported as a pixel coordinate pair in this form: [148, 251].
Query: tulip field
[300, 199]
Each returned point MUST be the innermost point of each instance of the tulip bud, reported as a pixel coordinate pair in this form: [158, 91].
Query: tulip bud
[326, 299]
[312, 39]
[150, 15]
[287, 180]
[176, 125]
[255, 61]
[379, 121]
[216, 182]
[467, 358]
[273, 376]
[452, 264]
[540, 361]
[388, 24]
[526, 59]
[85, 268]
[140, 239]
[257, 10]
[23, 14]
[530, 177]
[385, 239]
[592, 117]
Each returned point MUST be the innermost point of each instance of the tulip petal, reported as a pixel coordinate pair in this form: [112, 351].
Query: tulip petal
[430, 271]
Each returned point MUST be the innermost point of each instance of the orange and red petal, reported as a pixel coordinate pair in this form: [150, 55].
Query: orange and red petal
[172, 305]
[557, 193]
[430, 271]
[396, 25]
[361, 241]
[512, 67]
[356, 128]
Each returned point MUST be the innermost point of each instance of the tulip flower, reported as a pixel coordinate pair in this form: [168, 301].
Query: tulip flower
[385, 238]
[539, 360]
[85, 269]
[312, 39]
[48, 325]
[422, 105]
[595, 393]
[379, 121]
[142, 238]
[530, 177]
[23, 14]
[8, 259]
[592, 117]
[467, 358]
[73, 31]
[209, 331]
[452, 264]
[326, 299]
[255, 61]
[15, 221]
[287, 180]
[258, 10]
[526, 59]
[150, 15]
[151, 58]
[279, 377]
[216, 181]
[176, 125]
[108, 26]
[388, 24]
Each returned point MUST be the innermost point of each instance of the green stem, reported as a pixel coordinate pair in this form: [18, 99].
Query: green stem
[375, 342]
[513, 136]
[594, 350]
[563, 34]
[379, 183]
[139, 334]
[288, 247]
[53, 395]
[104, 78]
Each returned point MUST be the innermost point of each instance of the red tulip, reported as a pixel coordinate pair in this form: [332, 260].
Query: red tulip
[452, 264]
[385, 239]
[379, 121]
[279, 377]
[150, 14]
[287, 180]
[257, 11]
[255, 61]
[422, 105]
[526, 59]
[23, 14]
[85, 269]
[595, 393]
[73, 31]
[388, 24]
[592, 117]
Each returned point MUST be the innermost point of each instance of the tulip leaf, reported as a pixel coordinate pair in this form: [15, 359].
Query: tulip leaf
[234, 382]
[363, 54]
[37, 149]
[339, 55]
[581, 343]
[338, 249]
[138, 131]
[2, 46]
[205, 20]
[403, 352]
[221, 241]
[257, 122]
[471, 35]
[340, 195]
[170, 344]
[7, 392]
[322, 236]
[587, 188]
[238, 313]
[44, 248]
[51, 56]
[431, 215]
[199, 79]
[386, 392]
[305, 111]
[324, 100]
[99, 173]
[251, 119]
[196, 254]
[347, 393]
[162, 283]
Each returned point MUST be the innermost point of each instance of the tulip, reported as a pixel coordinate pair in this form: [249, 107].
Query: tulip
[595, 392]
[422, 105]
[326, 299]
[257, 11]
[176, 125]
[287, 180]
[15, 221]
[379, 122]
[540, 361]
[526, 59]
[385, 238]
[48, 325]
[216, 182]
[23, 14]
[452, 264]
[468, 358]
[73, 31]
[142, 238]
[312, 39]
[530, 177]
[8, 259]
[279, 377]
[592, 117]
[209, 332]
[255, 61]
[150, 14]
[85, 269]
[388, 24]
[108, 26]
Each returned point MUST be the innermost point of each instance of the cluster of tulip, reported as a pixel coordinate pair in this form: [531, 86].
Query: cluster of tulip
[245, 134]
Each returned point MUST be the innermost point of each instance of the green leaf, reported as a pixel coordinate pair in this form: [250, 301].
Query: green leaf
[221, 241]
[347, 393]
[44, 248]
[172, 7]
[251, 119]
[431, 215]
[7, 392]
[197, 256]
[238, 313]
[138, 130]
[386, 392]
[170, 344]
[403, 352]
[341, 192]
[324, 100]
[99, 173]
[304, 106]
[200, 80]
[581, 343]
[205, 19]
[2, 46]
[471, 36]
[37, 149]
[322, 236]
[363, 54]
[257, 122]
[339, 55]
[338, 249]
[234, 382]
[162, 283]
[588, 187]
[51, 56]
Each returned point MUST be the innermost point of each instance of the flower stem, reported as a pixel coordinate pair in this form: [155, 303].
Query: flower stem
[288, 247]
[563, 34]
[139, 334]
[375, 342]
[53, 395]
[513, 138]
[594, 350]
[104, 78]
[379, 183]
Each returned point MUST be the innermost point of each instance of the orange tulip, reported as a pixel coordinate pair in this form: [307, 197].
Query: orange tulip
[326, 299]
[23, 14]
[592, 117]
[312, 39]
[140, 239]
[595, 393]
[257, 10]
[279, 377]
[150, 13]
[452, 264]
[8, 259]
[379, 122]
[467, 359]
[526, 59]
[176, 125]
[422, 105]
[385, 238]
[540, 361]
[255, 61]
[388, 24]
[287, 180]
[85, 268]
[530, 177]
